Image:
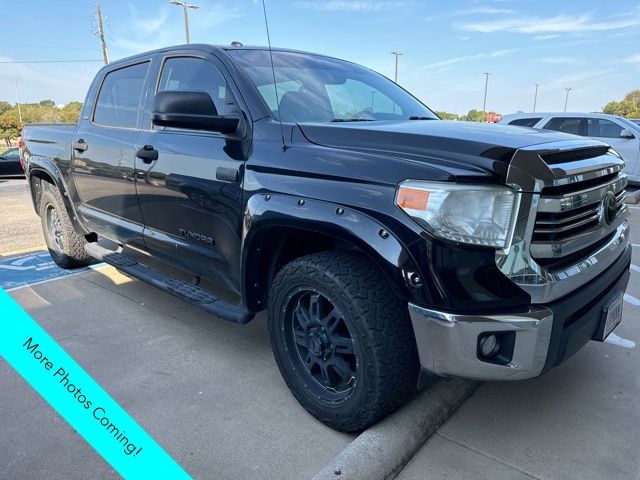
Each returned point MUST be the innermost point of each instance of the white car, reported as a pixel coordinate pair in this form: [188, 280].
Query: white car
[622, 134]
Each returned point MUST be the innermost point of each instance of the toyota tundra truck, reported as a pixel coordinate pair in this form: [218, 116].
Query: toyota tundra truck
[384, 243]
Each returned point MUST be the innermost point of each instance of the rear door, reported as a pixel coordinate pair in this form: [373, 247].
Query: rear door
[572, 125]
[609, 131]
[191, 196]
[103, 155]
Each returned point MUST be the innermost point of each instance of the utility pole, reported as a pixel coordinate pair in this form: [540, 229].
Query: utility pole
[18, 100]
[100, 33]
[566, 98]
[535, 98]
[397, 54]
[185, 6]
[486, 86]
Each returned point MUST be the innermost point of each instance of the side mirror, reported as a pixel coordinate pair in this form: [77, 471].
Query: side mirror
[627, 134]
[192, 110]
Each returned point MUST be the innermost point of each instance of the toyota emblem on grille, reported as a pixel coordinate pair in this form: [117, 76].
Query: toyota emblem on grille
[609, 208]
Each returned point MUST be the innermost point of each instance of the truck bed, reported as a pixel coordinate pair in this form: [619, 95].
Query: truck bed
[50, 140]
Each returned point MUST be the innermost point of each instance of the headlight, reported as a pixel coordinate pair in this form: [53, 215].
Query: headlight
[475, 214]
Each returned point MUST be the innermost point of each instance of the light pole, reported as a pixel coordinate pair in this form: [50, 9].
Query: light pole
[535, 98]
[486, 86]
[566, 98]
[185, 6]
[18, 100]
[397, 54]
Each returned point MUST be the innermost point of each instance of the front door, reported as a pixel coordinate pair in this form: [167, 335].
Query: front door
[609, 131]
[103, 157]
[191, 195]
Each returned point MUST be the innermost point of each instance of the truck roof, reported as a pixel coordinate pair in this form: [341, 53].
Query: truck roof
[209, 48]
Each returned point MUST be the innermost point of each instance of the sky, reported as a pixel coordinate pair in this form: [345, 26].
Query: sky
[590, 46]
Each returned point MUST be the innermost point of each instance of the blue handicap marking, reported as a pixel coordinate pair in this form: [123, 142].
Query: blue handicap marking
[27, 269]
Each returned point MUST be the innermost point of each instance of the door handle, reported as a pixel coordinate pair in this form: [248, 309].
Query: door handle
[80, 145]
[147, 154]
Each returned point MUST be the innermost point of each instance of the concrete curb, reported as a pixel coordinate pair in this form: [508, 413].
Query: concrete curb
[632, 197]
[381, 451]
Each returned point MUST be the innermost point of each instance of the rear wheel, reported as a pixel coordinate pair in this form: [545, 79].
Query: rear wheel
[342, 339]
[65, 245]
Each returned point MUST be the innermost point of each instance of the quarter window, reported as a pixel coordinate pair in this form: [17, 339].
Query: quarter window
[565, 125]
[195, 75]
[119, 98]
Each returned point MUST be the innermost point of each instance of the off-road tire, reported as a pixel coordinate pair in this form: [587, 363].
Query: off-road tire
[68, 251]
[378, 321]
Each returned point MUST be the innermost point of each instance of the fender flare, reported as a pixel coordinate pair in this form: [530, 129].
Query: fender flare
[43, 165]
[267, 212]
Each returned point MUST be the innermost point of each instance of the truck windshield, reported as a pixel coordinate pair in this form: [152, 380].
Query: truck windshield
[313, 88]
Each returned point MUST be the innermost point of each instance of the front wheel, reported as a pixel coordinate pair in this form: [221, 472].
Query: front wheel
[342, 339]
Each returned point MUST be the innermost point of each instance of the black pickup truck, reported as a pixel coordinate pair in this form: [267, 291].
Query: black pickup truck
[382, 241]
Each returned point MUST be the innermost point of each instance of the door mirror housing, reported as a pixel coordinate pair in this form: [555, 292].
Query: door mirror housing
[191, 110]
[627, 134]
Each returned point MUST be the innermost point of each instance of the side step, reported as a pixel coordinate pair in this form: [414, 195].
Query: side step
[183, 290]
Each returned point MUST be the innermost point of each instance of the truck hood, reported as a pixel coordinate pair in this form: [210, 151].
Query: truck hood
[453, 146]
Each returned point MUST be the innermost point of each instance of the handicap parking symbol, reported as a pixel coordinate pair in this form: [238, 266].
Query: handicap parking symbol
[27, 269]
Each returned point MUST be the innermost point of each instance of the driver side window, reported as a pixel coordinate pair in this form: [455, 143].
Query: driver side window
[354, 97]
[195, 75]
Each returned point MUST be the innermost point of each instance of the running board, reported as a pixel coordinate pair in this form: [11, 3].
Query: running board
[178, 288]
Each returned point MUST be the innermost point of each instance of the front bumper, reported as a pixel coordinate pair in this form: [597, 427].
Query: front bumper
[545, 336]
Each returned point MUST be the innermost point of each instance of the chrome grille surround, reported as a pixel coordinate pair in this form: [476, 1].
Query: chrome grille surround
[580, 245]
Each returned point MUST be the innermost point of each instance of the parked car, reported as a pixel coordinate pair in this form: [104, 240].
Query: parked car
[622, 134]
[381, 240]
[10, 163]
[635, 120]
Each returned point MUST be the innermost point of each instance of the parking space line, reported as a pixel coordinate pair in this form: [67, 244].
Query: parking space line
[631, 299]
[635, 268]
[636, 244]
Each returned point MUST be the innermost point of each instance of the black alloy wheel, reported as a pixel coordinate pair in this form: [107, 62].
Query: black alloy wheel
[317, 330]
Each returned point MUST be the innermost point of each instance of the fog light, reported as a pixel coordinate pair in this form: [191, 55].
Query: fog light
[489, 345]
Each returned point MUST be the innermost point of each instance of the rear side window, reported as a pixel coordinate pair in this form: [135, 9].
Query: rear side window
[598, 127]
[195, 75]
[525, 122]
[119, 98]
[565, 125]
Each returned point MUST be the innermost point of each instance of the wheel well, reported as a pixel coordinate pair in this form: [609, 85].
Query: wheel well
[279, 246]
[36, 179]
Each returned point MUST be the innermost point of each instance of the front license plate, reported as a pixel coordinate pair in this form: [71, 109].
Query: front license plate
[612, 314]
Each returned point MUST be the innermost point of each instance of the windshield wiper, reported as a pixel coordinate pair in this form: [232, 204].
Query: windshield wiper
[416, 117]
[352, 120]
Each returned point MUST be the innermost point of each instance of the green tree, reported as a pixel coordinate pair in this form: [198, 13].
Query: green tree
[71, 112]
[4, 106]
[448, 116]
[10, 126]
[47, 103]
[628, 107]
[475, 116]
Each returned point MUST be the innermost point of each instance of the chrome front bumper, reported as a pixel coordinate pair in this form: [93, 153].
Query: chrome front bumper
[448, 343]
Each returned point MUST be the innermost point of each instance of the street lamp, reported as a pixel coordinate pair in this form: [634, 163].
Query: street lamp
[566, 98]
[185, 6]
[486, 86]
[535, 98]
[397, 54]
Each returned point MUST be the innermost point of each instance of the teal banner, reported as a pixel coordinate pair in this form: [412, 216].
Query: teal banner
[79, 399]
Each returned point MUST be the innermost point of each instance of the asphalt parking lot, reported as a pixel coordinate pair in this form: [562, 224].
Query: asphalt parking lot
[210, 393]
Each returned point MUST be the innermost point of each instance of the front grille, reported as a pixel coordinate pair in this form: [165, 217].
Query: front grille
[569, 225]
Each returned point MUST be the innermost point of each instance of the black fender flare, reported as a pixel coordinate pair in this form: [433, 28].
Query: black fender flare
[39, 165]
[269, 212]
